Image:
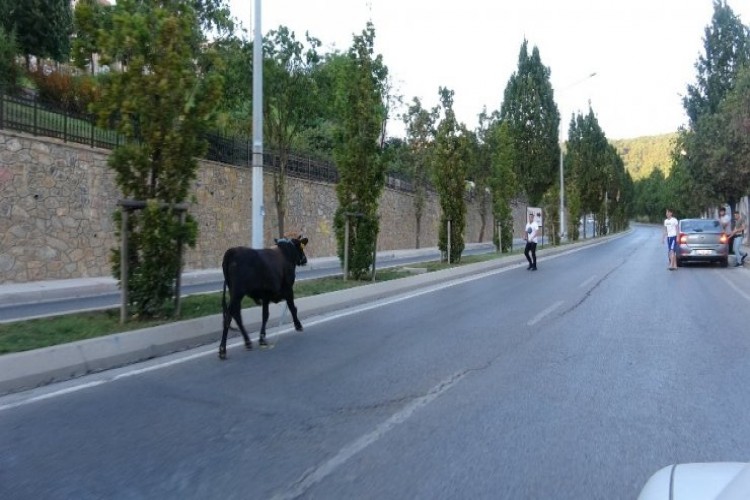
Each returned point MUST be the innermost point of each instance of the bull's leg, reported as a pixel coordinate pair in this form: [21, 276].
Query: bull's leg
[293, 310]
[235, 309]
[262, 337]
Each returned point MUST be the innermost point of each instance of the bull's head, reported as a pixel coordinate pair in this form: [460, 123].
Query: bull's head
[299, 244]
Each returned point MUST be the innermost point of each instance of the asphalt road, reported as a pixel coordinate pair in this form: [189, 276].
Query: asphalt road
[576, 381]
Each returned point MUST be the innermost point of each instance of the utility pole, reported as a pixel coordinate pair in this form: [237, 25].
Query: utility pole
[258, 211]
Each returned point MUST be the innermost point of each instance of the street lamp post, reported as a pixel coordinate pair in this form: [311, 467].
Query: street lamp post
[562, 196]
[562, 172]
[258, 210]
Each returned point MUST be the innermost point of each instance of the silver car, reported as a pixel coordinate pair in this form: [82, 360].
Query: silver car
[701, 240]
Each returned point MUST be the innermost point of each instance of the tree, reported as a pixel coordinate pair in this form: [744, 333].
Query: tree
[480, 169]
[360, 109]
[161, 102]
[289, 101]
[89, 18]
[728, 132]
[683, 195]
[450, 165]
[420, 130]
[214, 16]
[620, 198]
[234, 113]
[651, 197]
[704, 154]
[9, 71]
[587, 163]
[503, 182]
[320, 138]
[42, 27]
[736, 110]
[397, 157]
[727, 48]
[533, 120]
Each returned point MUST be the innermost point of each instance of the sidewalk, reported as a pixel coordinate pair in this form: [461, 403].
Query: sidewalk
[40, 291]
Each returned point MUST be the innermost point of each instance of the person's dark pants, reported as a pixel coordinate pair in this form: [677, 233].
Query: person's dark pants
[530, 253]
[730, 244]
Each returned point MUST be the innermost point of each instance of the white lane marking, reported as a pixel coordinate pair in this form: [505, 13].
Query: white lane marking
[536, 319]
[586, 283]
[51, 395]
[735, 287]
[318, 473]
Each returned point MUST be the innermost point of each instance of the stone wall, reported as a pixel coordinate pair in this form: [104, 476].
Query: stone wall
[57, 200]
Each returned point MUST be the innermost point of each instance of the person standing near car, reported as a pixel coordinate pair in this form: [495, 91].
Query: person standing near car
[670, 236]
[738, 234]
[530, 235]
[725, 221]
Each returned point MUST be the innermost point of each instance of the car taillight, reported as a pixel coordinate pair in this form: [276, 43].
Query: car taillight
[723, 238]
[683, 239]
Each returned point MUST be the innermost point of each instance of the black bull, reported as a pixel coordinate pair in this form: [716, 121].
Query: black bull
[265, 275]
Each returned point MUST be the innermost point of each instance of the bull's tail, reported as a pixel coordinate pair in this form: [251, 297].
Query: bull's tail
[227, 318]
[224, 309]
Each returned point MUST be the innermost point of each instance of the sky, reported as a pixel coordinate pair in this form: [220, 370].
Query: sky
[643, 52]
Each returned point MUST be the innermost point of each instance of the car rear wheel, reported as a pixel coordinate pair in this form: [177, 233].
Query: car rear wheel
[724, 262]
[678, 262]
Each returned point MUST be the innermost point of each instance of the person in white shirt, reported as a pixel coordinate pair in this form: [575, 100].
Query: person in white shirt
[530, 235]
[670, 235]
[726, 225]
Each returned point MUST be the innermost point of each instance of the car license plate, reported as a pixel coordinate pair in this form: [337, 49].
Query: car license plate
[704, 252]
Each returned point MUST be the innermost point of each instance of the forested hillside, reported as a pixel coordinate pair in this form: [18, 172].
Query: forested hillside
[643, 154]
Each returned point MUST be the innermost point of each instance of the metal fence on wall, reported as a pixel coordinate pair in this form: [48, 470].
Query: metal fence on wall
[27, 114]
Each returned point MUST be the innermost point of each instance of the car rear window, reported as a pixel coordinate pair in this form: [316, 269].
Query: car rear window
[700, 226]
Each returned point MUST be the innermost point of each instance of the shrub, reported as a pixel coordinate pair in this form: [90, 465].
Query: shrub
[64, 91]
[53, 87]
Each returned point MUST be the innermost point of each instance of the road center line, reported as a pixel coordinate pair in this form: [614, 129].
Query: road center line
[587, 282]
[536, 319]
[325, 469]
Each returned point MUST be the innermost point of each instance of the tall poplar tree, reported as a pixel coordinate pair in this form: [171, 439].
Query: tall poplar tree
[586, 163]
[360, 110]
[450, 167]
[503, 182]
[420, 130]
[533, 120]
[480, 170]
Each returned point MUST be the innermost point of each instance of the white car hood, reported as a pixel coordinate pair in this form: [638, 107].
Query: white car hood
[704, 481]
